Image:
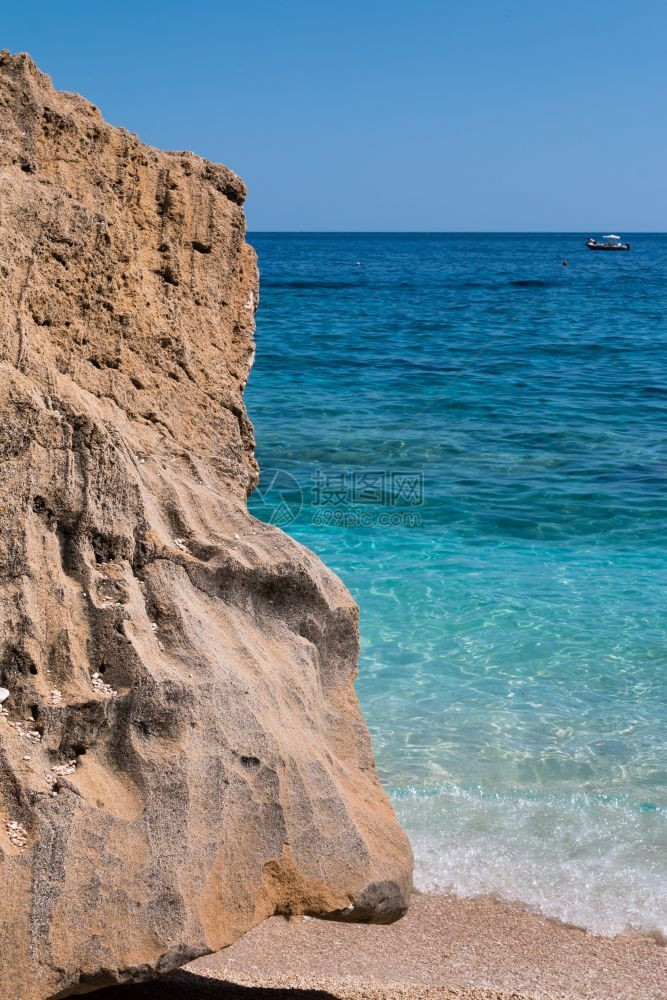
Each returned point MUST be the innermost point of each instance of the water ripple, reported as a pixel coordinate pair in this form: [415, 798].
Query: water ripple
[514, 651]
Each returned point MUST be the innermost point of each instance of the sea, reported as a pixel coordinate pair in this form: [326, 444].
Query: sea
[471, 431]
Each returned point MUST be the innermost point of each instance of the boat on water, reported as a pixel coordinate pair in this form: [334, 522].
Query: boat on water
[610, 242]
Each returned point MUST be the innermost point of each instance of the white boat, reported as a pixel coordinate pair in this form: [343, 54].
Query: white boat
[610, 242]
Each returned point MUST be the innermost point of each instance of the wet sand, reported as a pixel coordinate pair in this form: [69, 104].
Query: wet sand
[451, 948]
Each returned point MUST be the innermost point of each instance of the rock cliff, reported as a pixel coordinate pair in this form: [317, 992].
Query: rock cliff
[181, 749]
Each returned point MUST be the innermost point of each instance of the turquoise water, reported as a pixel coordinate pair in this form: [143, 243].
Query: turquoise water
[474, 437]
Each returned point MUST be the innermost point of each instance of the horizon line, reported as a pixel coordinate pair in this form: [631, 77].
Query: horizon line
[446, 232]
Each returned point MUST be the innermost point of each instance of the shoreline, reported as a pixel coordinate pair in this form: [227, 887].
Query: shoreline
[460, 949]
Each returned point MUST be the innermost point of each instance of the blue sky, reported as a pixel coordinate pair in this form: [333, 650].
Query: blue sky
[385, 115]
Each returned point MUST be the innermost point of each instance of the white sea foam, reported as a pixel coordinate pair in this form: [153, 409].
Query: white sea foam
[594, 862]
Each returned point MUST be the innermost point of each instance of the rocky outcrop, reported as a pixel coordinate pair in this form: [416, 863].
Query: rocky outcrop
[181, 749]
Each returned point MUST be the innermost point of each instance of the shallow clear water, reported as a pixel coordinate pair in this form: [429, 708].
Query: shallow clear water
[474, 438]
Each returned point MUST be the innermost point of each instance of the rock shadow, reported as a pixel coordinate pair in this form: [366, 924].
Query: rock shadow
[189, 986]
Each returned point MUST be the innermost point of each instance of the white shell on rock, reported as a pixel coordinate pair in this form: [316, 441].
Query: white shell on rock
[4, 695]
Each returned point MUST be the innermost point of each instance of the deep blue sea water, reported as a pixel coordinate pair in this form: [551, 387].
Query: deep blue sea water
[474, 437]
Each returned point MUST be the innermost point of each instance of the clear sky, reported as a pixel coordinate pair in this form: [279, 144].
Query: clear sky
[386, 114]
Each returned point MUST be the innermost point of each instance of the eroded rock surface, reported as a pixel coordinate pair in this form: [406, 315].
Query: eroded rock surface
[181, 749]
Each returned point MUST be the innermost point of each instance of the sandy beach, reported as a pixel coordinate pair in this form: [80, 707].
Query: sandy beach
[476, 949]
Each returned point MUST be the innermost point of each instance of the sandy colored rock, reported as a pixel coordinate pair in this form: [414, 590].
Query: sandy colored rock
[181, 750]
